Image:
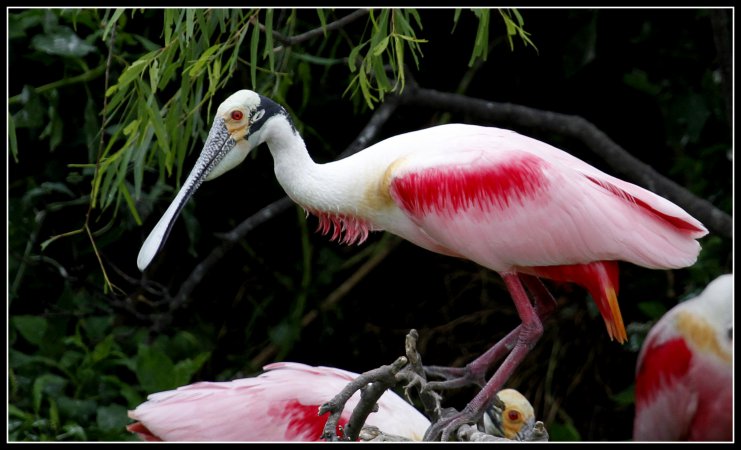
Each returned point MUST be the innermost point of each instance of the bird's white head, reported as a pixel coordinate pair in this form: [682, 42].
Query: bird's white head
[241, 118]
[511, 416]
[714, 306]
[237, 128]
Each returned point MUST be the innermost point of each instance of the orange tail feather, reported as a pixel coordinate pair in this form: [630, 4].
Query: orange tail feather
[601, 280]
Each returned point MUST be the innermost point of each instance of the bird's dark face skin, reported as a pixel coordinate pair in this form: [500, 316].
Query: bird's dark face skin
[266, 109]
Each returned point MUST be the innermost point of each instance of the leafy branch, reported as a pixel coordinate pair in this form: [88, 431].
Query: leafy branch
[86, 226]
[391, 31]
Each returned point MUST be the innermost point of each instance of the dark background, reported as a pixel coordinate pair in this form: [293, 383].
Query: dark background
[651, 79]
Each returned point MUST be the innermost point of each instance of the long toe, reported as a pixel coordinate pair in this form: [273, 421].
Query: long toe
[449, 384]
[454, 377]
[445, 372]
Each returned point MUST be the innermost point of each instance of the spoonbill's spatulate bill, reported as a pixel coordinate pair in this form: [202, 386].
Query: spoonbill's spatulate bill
[684, 376]
[505, 201]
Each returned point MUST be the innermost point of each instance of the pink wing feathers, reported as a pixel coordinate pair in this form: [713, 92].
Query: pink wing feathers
[537, 206]
[511, 203]
[278, 405]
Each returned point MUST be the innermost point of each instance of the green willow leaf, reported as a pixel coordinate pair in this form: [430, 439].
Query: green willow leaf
[104, 192]
[12, 138]
[380, 47]
[169, 21]
[322, 20]
[413, 12]
[481, 42]
[269, 40]
[353, 57]
[381, 78]
[197, 68]
[154, 75]
[110, 24]
[365, 89]
[253, 55]
[399, 47]
[134, 70]
[189, 23]
[131, 204]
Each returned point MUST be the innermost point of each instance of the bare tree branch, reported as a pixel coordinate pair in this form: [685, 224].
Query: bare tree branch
[293, 40]
[578, 128]
[373, 383]
[414, 375]
[407, 370]
[470, 433]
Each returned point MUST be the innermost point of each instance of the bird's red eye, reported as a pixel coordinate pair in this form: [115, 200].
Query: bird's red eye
[514, 416]
[237, 115]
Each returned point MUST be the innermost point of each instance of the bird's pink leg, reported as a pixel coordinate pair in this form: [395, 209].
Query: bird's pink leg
[475, 371]
[529, 332]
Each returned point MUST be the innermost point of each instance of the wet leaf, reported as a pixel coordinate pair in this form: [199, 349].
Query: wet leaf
[112, 417]
[62, 42]
[154, 369]
[32, 328]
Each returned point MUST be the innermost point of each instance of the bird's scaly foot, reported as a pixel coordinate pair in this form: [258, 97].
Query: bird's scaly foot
[447, 426]
[455, 377]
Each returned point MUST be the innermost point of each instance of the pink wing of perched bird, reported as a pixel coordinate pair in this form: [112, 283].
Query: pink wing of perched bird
[281, 404]
[516, 205]
[684, 377]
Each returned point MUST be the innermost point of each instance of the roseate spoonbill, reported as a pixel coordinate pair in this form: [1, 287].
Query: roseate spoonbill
[516, 414]
[510, 203]
[282, 404]
[684, 376]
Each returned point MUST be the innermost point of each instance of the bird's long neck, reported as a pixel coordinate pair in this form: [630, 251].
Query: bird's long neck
[295, 170]
[330, 191]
